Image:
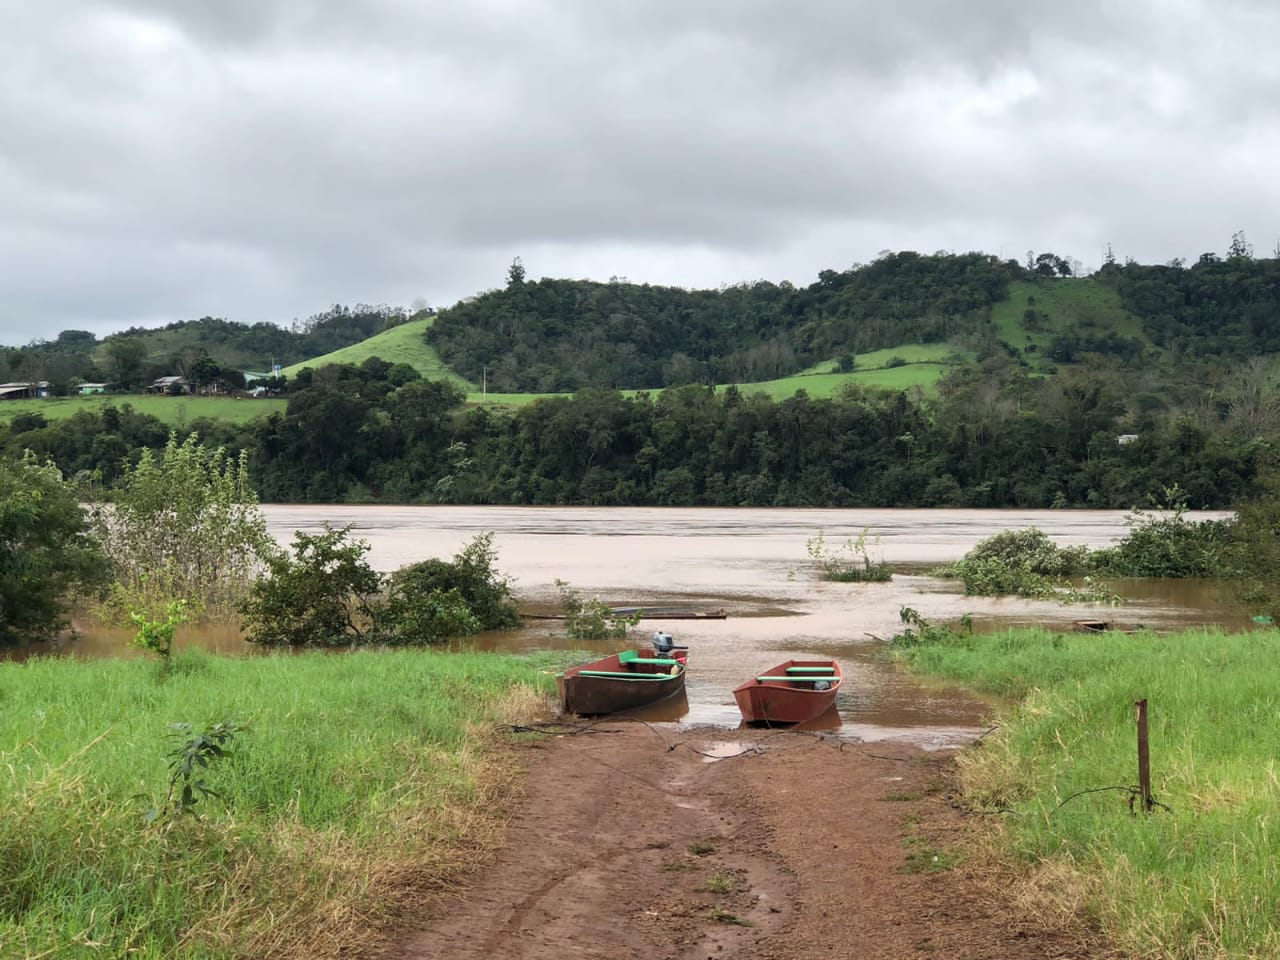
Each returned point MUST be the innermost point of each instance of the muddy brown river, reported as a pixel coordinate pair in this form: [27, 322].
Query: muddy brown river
[753, 565]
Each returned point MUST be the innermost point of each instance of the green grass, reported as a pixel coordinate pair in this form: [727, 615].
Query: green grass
[819, 385]
[1196, 880]
[402, 344]
[1082, 302]
[720, 883]
[171, 410]
[361, 780]
[876, 359]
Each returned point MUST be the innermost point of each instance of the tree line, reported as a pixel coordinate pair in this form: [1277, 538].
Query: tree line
[993, 436]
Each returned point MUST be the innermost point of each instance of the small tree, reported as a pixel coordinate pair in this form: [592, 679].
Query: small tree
[326, 595]
[185, 526]
[47, 550]
[157, 635]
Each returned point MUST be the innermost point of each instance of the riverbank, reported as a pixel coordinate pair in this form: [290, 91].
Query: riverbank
[1195, 877]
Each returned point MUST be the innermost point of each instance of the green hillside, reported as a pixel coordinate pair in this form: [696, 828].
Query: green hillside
[402, 344]
[1037, 313]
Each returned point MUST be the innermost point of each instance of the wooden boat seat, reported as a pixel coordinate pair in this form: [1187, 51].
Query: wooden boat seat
[789, 679]
[624, 674]
[811, 669]
[633, 656]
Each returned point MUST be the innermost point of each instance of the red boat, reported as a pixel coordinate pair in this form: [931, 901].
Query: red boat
[621, 681]
[792, 692]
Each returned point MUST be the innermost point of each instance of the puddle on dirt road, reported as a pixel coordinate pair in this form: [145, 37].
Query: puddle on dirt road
[726, 750]
[753, 565]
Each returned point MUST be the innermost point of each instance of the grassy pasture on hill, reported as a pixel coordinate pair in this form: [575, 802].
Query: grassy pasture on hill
[926, 363]
[175, 411]
[402, 344]
[1083, 303]
[876, 359]
[819, 385]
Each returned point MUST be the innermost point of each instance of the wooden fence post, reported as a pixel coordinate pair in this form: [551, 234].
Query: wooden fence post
[1144, 758]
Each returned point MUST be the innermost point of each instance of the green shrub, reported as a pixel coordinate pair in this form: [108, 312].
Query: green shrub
[1164, 543]
[324, 596]
[850, 563]
[920, 632]
[185, 526]
[46, 550]
[1031, 548]
[592, 619]
[1026, 563]
[328, 595]
[471, 577]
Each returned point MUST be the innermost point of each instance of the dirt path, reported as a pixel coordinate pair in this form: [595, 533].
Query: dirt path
[635, 841]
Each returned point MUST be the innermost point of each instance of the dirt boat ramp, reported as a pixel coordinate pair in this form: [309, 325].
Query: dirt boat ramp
[647, 841]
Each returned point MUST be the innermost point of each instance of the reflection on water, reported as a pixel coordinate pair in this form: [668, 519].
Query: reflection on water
[753, 564]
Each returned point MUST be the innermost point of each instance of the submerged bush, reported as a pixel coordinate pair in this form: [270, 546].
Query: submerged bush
[592, 619]
[849, 563]
[326, 594]
[184, 526]
[919, 632]
[1026, 563]
[1033, 549]
[1164, 543]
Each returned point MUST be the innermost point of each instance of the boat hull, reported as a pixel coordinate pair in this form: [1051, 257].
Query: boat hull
[788, 694]
[641, 680]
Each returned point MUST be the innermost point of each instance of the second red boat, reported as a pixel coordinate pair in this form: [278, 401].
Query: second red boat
[792, 692]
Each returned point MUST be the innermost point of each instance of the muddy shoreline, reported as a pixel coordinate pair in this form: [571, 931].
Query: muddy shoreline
[651, 841]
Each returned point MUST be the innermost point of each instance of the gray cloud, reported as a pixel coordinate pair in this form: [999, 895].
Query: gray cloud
[263, 159]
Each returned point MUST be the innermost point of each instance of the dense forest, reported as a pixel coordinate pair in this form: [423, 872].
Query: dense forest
[556, 335]
[992, 437]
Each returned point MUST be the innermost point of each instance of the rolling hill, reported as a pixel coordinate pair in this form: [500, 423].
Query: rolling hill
[403, 344]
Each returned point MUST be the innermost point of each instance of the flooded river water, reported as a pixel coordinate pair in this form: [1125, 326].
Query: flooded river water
[754, 565]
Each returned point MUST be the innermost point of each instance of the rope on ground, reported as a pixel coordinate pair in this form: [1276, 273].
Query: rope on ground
[559, 727]
[1134, 794]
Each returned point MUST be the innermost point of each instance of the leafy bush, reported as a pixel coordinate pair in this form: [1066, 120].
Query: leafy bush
[157, 635]
[190, 759]
[1252, 552]
[47, 551]
[1164, 543]
[328, 595]
[1031, 548]
[921, 632]
[324, 596]
[850, 563]
[592, 619]
[410, 617]
[483, 591]
[1026, 563]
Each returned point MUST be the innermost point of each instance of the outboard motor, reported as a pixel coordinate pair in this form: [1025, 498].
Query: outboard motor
[665, 646]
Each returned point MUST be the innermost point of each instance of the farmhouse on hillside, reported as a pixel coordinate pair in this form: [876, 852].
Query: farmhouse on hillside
[24, 391]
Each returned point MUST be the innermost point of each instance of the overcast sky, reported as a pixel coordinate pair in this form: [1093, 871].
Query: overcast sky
[258, 160]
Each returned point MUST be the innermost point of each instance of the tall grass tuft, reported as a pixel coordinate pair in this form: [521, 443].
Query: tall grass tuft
[1194, 879]
[359, 784]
